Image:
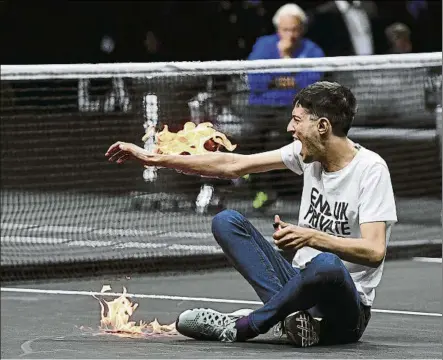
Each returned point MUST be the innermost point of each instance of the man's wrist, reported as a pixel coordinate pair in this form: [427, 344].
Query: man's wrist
[322, 241]
[285, 54]
[156, 159]
[312, 237]
[150, 159]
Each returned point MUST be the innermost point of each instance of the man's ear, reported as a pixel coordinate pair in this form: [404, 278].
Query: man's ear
[323, 126]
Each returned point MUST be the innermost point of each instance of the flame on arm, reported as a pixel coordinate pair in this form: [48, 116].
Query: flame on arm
[192, 140]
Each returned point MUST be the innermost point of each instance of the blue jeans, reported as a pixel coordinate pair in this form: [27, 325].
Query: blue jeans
[324, 287]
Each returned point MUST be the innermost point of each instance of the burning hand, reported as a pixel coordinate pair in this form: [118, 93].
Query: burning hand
[191, 140]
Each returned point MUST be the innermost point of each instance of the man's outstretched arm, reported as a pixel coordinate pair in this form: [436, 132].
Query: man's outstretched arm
[216, 164]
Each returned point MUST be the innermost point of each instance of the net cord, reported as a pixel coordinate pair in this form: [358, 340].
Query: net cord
[168, 69]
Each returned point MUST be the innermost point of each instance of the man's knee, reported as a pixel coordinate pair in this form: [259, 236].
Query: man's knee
[329, 266]
[225, 219]
[327, 258]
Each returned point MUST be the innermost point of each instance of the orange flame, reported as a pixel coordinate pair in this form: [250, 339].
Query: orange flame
[116, 315]
[192, 140]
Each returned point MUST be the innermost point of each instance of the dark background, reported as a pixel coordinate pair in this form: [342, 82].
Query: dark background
[70, 31]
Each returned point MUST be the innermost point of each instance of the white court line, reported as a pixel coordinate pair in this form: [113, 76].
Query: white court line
[182, 298]
[428, 259]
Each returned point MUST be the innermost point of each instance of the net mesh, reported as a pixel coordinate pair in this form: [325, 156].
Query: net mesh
[66, 210]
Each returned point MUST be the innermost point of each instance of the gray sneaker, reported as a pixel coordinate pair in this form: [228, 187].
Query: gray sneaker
[302, 329]
[208, 324]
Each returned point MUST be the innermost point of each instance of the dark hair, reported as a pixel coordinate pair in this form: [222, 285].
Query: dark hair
[330, 100]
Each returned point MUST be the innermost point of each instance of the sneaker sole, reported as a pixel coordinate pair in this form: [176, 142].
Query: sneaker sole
[301, 330]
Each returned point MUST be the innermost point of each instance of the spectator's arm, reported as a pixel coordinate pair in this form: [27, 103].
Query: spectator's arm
[259, 50]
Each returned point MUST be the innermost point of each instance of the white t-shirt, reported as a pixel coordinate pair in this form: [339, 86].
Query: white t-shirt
[338, 202]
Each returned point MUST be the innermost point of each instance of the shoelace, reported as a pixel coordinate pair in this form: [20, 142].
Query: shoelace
[227, 334]
[212, 328]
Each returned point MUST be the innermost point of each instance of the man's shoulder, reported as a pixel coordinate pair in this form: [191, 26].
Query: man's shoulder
[267, 39]
[311, 46]
[370, 160]
[371, 157]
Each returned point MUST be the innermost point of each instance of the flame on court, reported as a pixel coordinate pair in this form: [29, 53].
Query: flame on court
[116, 319]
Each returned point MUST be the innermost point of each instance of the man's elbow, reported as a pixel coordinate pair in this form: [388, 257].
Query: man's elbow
[377, 257]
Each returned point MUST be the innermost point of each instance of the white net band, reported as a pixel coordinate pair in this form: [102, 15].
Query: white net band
[134, 70]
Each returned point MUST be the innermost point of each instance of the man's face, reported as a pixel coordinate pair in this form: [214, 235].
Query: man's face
[401, 44]
[305, 129]
[290, 28]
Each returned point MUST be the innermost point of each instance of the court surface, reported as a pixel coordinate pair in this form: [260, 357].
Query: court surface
[44, 323]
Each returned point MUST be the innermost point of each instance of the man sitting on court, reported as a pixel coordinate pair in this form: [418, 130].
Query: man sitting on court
[346, 216]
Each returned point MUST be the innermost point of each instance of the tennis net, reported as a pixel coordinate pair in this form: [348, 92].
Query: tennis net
[67, 211]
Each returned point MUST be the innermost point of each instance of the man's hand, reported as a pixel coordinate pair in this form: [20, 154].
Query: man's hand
[121, 152]
[285, 82]
[291, 237]
[285, 47]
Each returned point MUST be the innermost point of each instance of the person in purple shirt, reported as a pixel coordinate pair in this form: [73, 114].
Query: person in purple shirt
[271, 94]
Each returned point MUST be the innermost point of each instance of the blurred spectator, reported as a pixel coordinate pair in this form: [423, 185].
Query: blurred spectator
[343, 28]
[423, 18]
[279, 89]
[399, 39]
[271, 94]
